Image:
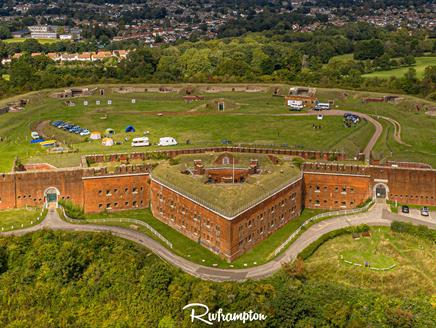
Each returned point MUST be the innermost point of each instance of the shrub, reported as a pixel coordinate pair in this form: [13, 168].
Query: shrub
[418, 231]
[73, 211]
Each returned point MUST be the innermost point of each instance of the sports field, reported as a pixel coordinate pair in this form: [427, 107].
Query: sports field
[249, 118]
[42, 41]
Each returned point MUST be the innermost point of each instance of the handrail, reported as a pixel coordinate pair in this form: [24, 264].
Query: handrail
[142, 223]
[319, 216]
[222, 211]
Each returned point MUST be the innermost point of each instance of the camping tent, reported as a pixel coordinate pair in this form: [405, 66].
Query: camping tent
[95, 136]
[108, 142]
[130, 129]
[109, 132]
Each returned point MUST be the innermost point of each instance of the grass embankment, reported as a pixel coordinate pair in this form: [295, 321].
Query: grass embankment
[185, 247]
[20, 218]
[413, 256]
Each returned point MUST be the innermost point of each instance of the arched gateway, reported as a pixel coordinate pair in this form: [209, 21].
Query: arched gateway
[381, 190]
[51, 196]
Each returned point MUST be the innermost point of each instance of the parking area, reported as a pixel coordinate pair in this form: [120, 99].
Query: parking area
[416, 214]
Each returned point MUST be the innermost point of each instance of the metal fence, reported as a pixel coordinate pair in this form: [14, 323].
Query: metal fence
[223, 211]
[320, 216]
[122, 220]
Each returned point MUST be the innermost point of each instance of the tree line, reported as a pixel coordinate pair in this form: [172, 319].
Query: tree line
[59, 279]
[259, 57]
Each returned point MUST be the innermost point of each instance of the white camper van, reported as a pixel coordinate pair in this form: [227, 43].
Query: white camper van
[295, 105]
[167, 141]
[140, 142]
[322, 106]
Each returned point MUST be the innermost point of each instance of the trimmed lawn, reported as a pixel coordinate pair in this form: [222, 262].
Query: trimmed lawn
[19, 218]
[413, 256]
[42, 41]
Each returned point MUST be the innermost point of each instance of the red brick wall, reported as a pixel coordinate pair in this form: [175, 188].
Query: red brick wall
[329, 191]
[193, 220]
[408, 186]
[115, 192]
[30, 186]
[258, 223]
[7, 191]
[221, 235]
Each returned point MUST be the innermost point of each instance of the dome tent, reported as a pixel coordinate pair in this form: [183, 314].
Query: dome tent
[108, 142]
[109, 132]
[130, 128]
[95, 135]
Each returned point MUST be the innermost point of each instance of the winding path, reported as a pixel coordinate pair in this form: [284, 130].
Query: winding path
[397, 129]
[376, 216]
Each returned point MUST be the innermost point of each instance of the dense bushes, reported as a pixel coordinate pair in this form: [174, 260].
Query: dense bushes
[418, 231]
[72, 210]
[60, 279]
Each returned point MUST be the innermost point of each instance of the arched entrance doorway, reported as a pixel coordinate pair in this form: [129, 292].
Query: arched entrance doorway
[381, 191]
[51, 197]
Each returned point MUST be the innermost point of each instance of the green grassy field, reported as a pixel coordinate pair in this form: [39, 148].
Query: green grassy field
[19, 40]
[413, 274]
[421, 64]
[19, 218]
[252, 119]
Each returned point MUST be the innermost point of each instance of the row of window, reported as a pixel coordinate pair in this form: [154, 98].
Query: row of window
[343, 203]
[116, 191]
[342, 189]
[250, 237]
[412, 196]
[109, 206]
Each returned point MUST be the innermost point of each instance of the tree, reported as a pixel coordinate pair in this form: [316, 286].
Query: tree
[5, 33]
[368, 49]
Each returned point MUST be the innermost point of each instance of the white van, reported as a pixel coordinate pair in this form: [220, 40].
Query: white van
[140, 142]
[167, 141]
[322, 106]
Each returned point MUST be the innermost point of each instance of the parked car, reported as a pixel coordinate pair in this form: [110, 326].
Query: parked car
[425, 211]
[85, 132]
[405, 209]
[34, 135]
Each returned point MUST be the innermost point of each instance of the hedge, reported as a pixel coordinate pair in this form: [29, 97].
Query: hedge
[411, 229]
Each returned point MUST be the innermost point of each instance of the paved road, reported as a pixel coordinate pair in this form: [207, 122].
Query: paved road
[376, 216]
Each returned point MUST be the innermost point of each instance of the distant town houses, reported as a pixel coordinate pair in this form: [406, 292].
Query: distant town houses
[76, 57]
[48, 32]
